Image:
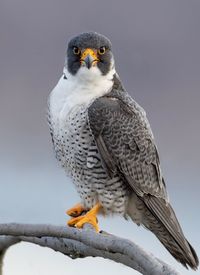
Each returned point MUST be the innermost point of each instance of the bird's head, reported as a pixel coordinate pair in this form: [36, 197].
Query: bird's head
[89, 53]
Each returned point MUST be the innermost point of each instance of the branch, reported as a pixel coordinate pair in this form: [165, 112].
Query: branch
[6, 242]
[80, 243]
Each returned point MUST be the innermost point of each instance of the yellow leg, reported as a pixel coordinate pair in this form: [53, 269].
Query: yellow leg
[75, 211]
[89, 217]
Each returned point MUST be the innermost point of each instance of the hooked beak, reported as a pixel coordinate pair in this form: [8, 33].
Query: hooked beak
[89, 58]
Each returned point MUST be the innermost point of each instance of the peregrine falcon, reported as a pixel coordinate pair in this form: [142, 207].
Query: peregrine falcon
[103, 140]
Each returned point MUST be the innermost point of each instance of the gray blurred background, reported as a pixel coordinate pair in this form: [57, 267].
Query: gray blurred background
[157, 52]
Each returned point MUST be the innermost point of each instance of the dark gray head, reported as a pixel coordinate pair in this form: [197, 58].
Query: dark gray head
[89, 50]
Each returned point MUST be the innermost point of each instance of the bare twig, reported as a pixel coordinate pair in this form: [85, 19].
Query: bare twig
[79, 243]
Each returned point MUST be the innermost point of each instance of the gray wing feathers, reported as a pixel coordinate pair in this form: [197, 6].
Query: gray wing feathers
[105, 156]
[126, 146]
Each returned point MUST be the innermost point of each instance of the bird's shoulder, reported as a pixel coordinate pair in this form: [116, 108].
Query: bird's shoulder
[118, 107]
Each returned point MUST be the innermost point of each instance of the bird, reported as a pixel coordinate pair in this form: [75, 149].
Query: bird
[103, 140]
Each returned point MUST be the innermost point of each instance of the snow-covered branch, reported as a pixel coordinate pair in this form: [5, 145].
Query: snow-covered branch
[80, 243]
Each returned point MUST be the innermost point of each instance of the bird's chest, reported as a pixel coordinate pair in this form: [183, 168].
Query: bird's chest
[77, 152]
[75, 146]
[69, 102]
[73, 140]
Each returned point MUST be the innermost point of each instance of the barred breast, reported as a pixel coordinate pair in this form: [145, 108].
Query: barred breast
[78, 154]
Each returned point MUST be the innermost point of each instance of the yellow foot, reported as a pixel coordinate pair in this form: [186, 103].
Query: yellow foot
[89, 217]
[75, 211]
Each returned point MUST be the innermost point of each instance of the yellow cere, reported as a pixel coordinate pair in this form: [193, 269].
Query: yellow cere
[92, 53]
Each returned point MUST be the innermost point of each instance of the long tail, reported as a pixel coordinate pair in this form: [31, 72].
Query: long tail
[159, 217]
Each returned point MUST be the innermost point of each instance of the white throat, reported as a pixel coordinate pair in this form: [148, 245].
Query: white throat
[79, 89]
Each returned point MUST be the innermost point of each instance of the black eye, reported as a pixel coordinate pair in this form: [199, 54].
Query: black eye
[102, 50]
[76, 50]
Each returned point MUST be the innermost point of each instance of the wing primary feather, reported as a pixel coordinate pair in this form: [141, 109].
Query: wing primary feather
[165, 214]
